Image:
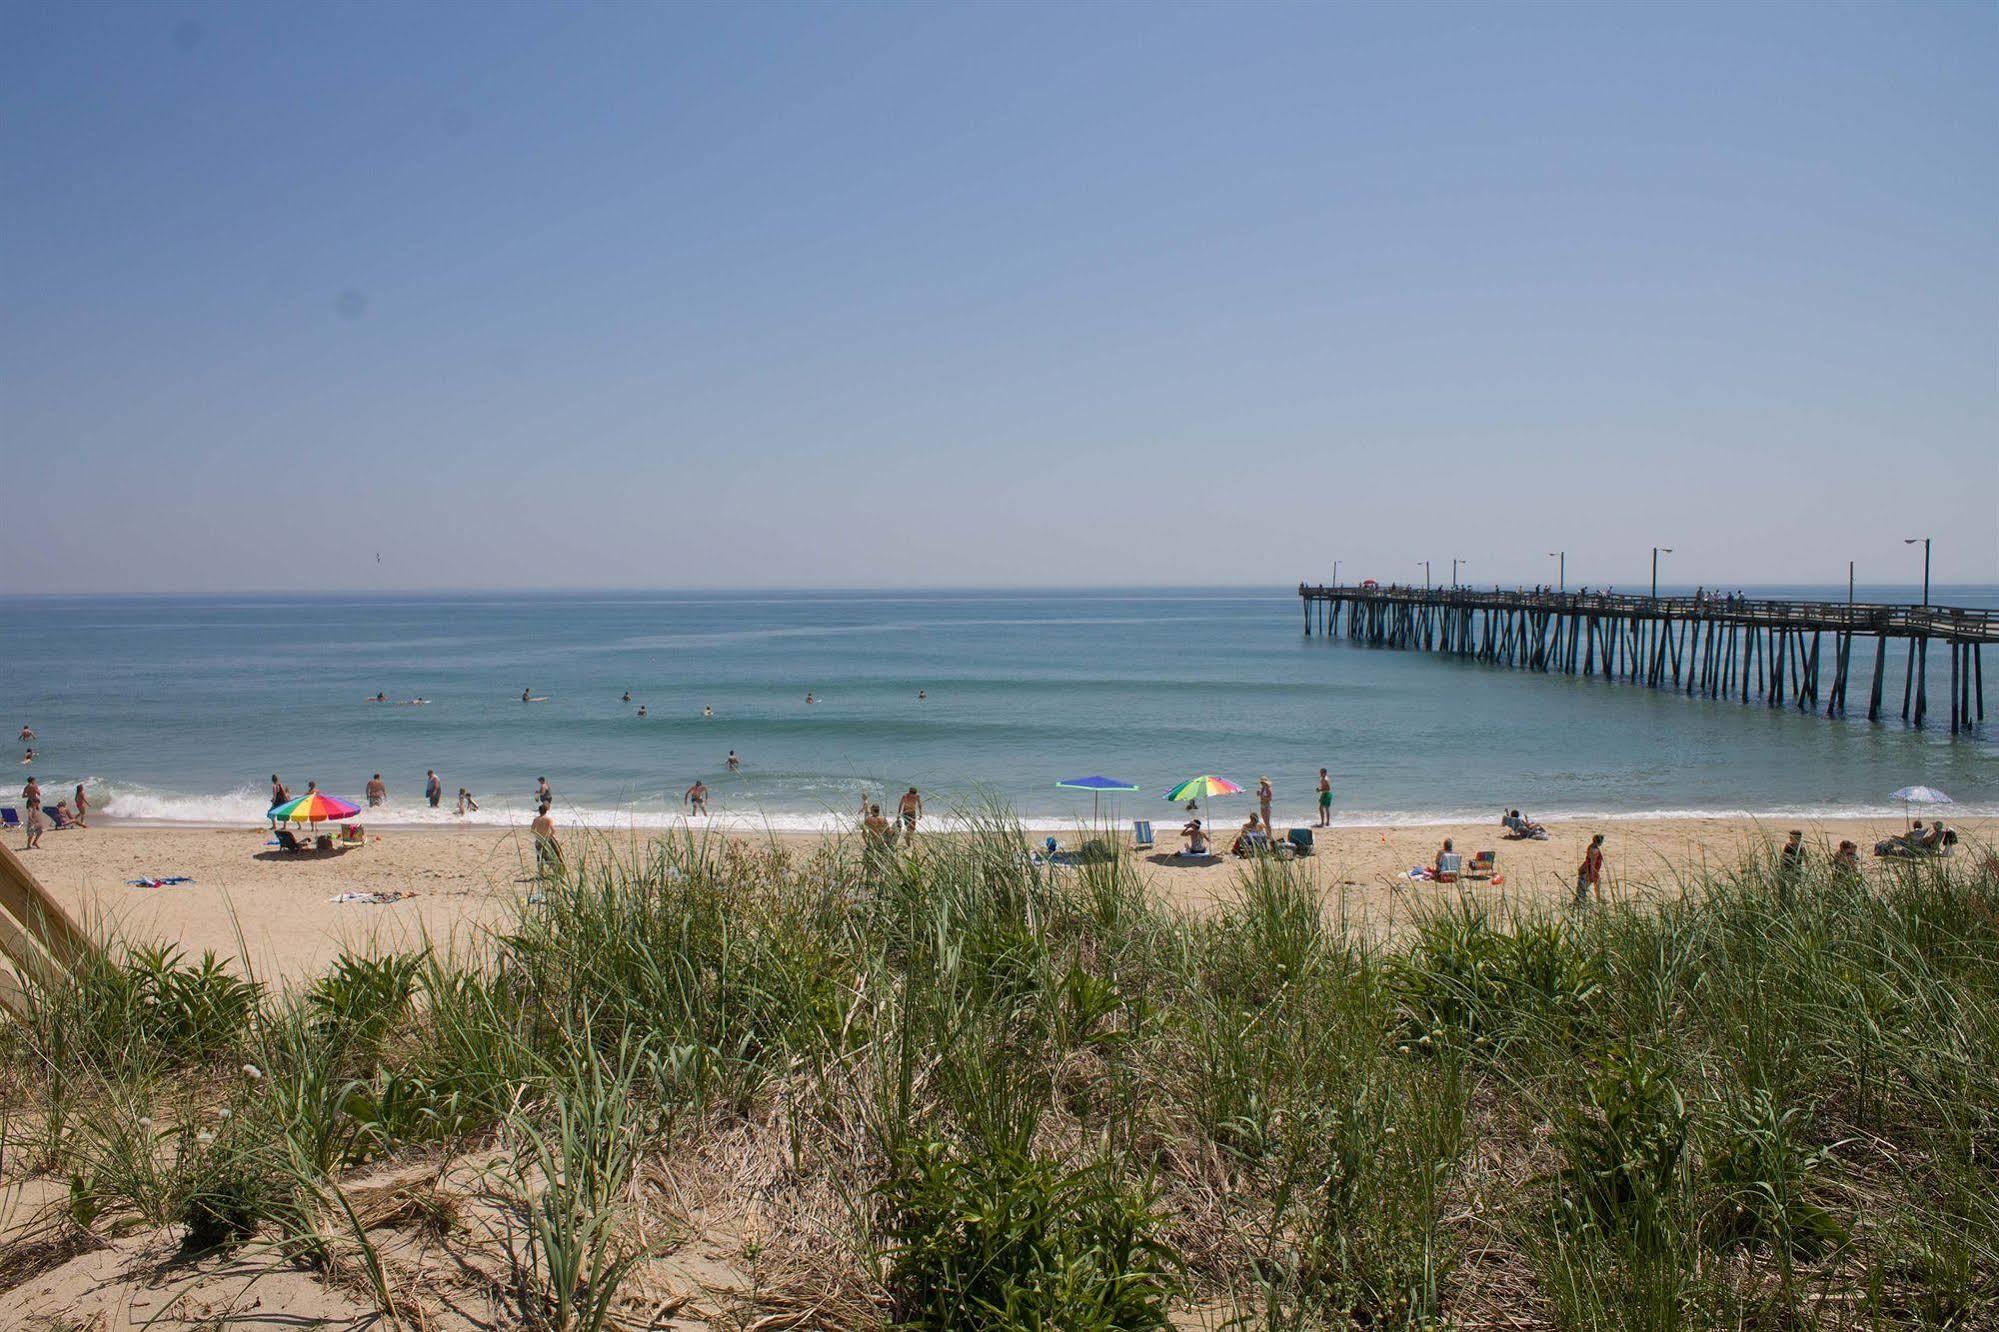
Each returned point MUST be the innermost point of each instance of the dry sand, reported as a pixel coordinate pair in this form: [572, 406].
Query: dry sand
[248, 897]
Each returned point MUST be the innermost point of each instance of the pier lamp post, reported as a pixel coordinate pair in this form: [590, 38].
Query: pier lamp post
[1561, 569]
[1454, 570]
[1336, 573]
[1657, 551]
[1910, 541]
[1426, 575]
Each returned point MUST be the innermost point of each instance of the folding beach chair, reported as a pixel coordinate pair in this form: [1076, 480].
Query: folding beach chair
[1301, 840]
[9, 817]
[1449, 866]
[288, 840]
[1482, 865]
[1141, 835]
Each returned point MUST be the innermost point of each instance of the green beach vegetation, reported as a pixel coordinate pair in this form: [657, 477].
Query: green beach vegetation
[960, 1089]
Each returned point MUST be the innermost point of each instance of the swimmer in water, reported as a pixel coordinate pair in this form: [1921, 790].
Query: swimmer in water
[526, 695]
[27, 733]
[707, 712]
[808, 698]
[379, 698]
[735, 764]
[920, 696]
[642, 709]
[627, 698]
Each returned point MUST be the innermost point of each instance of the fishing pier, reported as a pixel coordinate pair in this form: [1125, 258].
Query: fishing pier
[1774, 652]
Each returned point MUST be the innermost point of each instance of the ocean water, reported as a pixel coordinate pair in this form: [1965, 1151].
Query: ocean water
[179, 709]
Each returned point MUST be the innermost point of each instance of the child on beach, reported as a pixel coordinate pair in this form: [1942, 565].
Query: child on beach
[82, 806]
[465, 801]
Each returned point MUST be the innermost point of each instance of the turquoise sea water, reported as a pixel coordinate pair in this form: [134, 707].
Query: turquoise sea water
[181, 708]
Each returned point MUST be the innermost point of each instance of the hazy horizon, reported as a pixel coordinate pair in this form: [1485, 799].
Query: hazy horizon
[733, 298]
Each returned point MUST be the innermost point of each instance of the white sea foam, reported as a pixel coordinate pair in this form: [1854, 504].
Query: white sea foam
[245, 805]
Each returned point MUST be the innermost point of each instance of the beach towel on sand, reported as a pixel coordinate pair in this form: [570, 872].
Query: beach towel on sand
[165, 881]
[374, 899]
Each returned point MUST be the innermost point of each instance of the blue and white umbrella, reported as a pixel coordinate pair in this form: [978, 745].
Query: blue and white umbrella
[1919, 795]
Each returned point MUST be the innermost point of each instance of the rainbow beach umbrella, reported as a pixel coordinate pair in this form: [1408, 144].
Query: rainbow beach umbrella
[312, 807]
[1206, 786]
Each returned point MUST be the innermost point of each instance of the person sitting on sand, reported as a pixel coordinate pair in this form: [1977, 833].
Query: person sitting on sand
[466, 802]
[1520, 828]
[1791, 859]
[1846, 862]
[378, 790]
[696, 797]
[63, 819]
[1437, 865]
[82, 806]
[1197, 839]
[1248, 837]
[547, 851]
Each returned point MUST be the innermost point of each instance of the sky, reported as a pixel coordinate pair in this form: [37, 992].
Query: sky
[509, 295]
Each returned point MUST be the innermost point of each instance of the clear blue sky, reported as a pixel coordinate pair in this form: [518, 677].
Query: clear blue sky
[671, 295]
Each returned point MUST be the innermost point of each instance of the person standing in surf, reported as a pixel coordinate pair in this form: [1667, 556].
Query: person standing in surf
[433, 789]
[1325, 800]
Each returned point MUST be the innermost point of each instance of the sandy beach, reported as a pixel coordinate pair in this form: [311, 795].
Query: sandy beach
[247, 898]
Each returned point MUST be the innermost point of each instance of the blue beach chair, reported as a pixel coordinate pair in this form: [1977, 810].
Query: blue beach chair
[1141, 835]
[10, 817]
[1301, 840]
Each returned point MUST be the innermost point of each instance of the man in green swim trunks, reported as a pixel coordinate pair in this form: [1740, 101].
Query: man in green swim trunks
[1325, 800]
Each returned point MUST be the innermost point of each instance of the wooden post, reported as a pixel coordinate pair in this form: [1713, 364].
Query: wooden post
[1880, 667]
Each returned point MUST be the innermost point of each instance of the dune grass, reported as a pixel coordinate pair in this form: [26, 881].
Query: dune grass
[957, 1089]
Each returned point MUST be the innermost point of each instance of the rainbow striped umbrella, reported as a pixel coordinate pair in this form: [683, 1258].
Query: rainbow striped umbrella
[1206, 785]
[312, 807]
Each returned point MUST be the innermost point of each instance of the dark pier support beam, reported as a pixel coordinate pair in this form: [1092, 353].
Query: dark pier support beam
[1880, 668]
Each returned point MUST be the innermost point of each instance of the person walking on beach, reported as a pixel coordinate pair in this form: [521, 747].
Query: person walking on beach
[433, 789]
[1265, 793]
[547, 851]
[31, 796]
[912, 810]
[377, 791]
[1589, 874]
[696, 797]
[82, 806]
[278, 793]
[1325, 800]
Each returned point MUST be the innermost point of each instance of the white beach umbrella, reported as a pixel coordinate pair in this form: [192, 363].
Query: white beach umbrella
[1919, 795]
